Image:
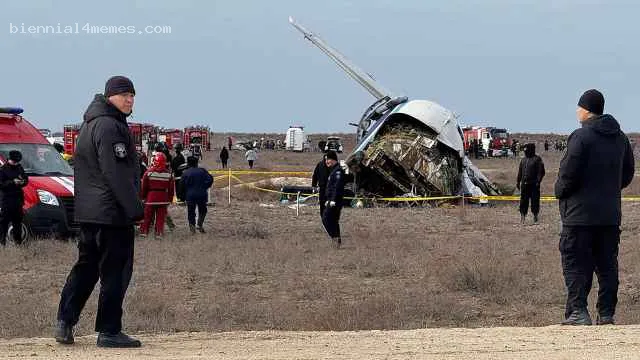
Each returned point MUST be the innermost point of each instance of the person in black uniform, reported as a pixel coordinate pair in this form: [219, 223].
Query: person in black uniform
[333, 198]
[319, 182]
[598, 164]
[176, 166]
[12, 180]
[530, 175]
[224, 157]
[107, 207]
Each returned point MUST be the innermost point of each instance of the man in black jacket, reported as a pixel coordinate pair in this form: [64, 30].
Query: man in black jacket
[530, 176]
[12, 180]
[106, 207]
[177, 168]
[333, 198]
[598, 164]
[319, 181]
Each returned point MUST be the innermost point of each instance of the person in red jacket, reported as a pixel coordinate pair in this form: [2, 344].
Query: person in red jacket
[157, 191]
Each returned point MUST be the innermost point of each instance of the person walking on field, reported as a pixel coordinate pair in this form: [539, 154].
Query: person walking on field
[334, 197]
[157, 192]
[597, 165]
[196, 182]
[530, 175]
[251, 156]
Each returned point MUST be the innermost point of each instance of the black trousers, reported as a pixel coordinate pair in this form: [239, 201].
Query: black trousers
[529, 193]
[585, 249]
[321, 199]
[179, 190]
[250, 164]
[11, 214]
[331, 220]
[191, 212]
[105, 253]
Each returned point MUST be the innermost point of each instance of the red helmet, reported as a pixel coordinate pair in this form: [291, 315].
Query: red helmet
[159, 161]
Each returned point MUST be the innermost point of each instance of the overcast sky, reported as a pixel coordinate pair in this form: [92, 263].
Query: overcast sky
[240, 66]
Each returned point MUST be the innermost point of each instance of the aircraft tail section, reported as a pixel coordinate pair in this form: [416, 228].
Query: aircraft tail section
[361, 77]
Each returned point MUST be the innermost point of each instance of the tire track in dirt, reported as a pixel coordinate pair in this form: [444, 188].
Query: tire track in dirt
[553, 342]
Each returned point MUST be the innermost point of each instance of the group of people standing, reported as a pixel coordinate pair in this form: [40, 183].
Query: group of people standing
[111, 198]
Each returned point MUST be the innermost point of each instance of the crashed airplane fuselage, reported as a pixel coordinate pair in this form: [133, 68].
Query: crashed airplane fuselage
[406, 147]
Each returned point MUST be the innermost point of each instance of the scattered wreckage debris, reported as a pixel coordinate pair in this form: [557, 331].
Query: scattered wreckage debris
[406, 148]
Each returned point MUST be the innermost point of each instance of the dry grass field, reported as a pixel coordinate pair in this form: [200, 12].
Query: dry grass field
[261, 267]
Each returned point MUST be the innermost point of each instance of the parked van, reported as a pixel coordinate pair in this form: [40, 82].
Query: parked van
[49, 195]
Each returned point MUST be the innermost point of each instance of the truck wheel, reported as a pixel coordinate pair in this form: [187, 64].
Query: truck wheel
[26, 234]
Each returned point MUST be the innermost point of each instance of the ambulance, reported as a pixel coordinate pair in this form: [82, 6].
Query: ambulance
[49, 196]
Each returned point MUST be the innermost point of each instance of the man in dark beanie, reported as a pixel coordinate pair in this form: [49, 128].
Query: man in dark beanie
[107, 207]
[530, 176]
[12, 180]
[333, 198]
[597, 165]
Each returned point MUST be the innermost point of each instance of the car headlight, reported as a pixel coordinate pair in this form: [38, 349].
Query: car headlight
[48, 198]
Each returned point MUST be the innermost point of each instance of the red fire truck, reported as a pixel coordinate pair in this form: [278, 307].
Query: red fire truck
[197, 135]
[491, 139]
[171, 137]
[70, 138]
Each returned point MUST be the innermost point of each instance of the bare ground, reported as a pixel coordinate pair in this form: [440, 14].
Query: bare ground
[551, 343]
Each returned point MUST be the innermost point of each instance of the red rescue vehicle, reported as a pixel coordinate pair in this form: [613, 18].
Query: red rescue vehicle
[70, 137]
[48, 198]
[490, 138]
[197, 135]
[171, 137]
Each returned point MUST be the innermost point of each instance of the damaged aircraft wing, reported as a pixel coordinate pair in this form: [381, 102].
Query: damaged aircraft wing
[406, 147]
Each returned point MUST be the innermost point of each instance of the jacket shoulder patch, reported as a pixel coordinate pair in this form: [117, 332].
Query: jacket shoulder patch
[120, 150]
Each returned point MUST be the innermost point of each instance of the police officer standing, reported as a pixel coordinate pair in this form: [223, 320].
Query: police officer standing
[12, 180]
[107, 207]
[319, 182]
[334, 196]
[598, 164]
[530, 176]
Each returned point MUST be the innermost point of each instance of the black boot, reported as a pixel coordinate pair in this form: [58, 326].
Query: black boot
[578, 317]
[535, 218]
[201, 229]
[119, 340]
[64, 333]
[192, 229]
[605, 320]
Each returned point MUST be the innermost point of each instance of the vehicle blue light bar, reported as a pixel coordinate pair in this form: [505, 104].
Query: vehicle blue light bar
[11, 110]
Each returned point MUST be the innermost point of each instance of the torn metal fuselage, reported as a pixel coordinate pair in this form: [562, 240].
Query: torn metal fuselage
[403, 150]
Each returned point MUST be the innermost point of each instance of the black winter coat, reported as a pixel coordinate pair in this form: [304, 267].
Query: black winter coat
[106, 168]
[11, 194]
[335, 185]
[531, 171]
[320, 175]
[598, 164]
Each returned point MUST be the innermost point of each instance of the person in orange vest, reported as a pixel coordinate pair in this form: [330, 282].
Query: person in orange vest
[157, 191]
